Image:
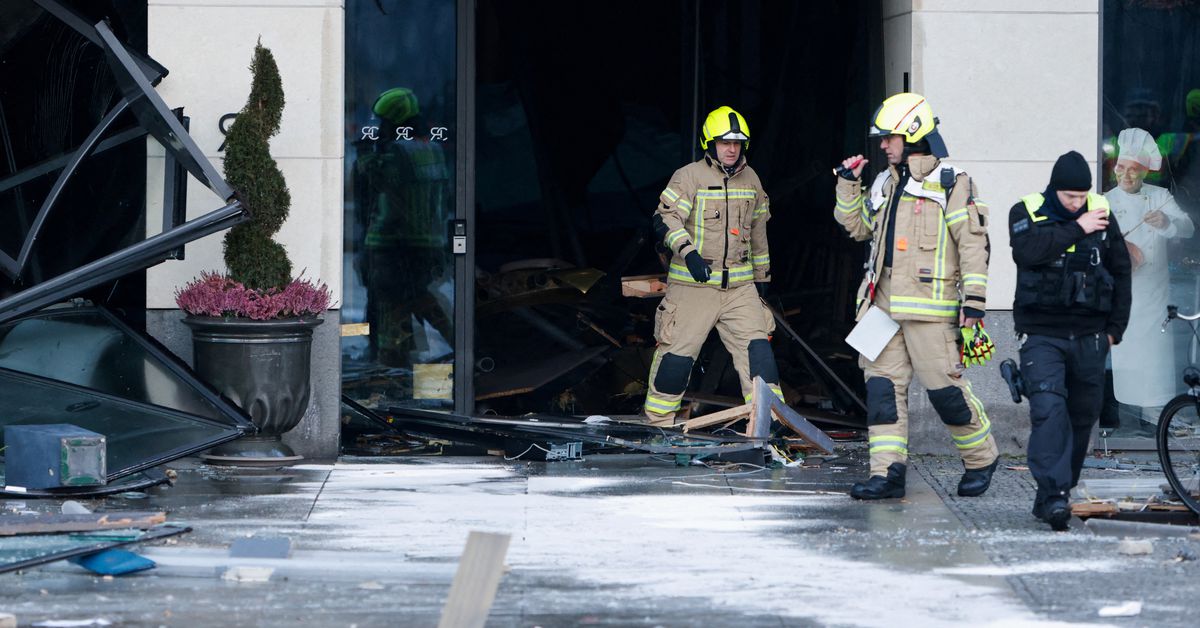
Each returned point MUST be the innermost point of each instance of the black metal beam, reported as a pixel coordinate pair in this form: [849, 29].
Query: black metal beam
[153, 114]
[130, 259]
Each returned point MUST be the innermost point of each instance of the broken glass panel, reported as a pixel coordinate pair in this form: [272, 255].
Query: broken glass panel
[23, 552]
[72, 176]
[72, 223]
[81, 365]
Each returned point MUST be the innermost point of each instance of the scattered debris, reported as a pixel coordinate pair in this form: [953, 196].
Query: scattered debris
[23, 552]
[1131, 608]
[1135, 547]
[370, 585]
[113, 562]
[72, 507]
[1184, 556]
[72, 623]
[45, 524]
[1128, 529]
[246, 573]
[1113, 464]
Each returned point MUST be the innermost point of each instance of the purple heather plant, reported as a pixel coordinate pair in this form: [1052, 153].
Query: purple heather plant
[214, 294]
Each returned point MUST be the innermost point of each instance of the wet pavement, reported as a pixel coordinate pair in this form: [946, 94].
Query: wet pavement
[616, 541]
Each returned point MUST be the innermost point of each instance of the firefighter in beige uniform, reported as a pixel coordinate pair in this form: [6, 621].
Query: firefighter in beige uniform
[928, 244]
[713, 217]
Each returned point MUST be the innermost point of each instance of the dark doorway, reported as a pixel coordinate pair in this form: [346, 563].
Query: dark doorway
[583, 111]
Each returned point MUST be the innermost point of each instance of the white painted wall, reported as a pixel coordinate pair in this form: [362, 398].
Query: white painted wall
[1015, 84]
[207, 46]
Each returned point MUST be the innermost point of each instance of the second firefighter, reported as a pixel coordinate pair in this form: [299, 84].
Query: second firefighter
[928, 272]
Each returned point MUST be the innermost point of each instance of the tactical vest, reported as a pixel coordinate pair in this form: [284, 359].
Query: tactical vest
[1077, 280]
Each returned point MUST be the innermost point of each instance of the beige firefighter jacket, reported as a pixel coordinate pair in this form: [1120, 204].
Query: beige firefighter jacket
[724, 218]
[940, 246]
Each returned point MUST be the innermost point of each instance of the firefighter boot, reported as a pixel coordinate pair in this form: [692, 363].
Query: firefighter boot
[975, 482]
[879, 487]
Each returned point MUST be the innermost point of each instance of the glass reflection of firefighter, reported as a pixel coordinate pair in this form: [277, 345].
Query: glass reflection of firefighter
[403, 185]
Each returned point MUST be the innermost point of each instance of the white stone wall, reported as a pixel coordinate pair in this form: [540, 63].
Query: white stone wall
[1015, 84]
[207, 46]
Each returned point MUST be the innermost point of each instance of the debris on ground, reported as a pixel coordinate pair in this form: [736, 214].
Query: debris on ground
[1135, 547]
[113, 562]
[247, 573]
[1131, 608]
[22, 552]
[1133, 499]
[771, 430]
[50, 523]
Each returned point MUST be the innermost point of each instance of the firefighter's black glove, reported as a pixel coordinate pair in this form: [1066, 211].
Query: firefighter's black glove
[698, 267]
[762, 286]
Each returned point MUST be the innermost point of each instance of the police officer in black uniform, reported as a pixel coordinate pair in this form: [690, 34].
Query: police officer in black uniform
[1071, 305]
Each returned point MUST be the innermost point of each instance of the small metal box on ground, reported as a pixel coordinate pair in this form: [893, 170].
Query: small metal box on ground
[50, 456]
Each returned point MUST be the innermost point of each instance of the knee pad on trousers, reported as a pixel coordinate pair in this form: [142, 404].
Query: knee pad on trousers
[881, 402]
[950, 405]
[674, 371]
[762, 361]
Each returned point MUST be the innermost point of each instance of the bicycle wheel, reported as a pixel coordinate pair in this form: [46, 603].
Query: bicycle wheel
[1179, 448]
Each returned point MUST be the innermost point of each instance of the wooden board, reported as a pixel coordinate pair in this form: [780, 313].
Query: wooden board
[729, 414]
[356, 329]
[1083, 510]
[476, 581]
[644, 286]
[11, 525]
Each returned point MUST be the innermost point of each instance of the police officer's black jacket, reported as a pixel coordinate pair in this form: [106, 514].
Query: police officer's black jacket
[1038, 248]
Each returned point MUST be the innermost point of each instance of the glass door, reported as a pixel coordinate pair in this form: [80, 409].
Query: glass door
[405, 240]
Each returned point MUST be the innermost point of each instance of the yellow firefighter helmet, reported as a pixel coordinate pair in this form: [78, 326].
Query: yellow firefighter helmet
[910, 116]
[724, 124]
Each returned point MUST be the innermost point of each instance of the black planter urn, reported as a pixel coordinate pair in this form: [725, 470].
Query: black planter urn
[263, 367]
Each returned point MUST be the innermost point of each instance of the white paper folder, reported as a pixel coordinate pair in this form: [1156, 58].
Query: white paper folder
[872, 333]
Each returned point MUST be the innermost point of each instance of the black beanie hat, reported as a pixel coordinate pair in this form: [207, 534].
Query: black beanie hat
[1071, 172]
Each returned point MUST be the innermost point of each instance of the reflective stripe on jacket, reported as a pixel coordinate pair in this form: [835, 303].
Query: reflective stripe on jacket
[940, 248]
[723, 218]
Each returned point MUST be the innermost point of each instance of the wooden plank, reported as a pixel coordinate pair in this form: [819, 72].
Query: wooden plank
[721, 416]
[1093, 509]
[356, 329]
[644, 286]
[11, 525]
[476, 581]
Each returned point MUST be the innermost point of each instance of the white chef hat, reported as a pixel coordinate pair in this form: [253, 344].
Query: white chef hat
[1137, 145]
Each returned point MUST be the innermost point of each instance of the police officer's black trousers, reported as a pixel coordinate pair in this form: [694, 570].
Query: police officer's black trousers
[1064, 379]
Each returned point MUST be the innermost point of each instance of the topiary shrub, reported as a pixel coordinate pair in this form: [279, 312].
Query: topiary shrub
[252, 256]
[259, 284]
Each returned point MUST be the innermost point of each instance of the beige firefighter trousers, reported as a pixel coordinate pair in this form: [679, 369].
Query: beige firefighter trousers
[931, 351]
[681, 325]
